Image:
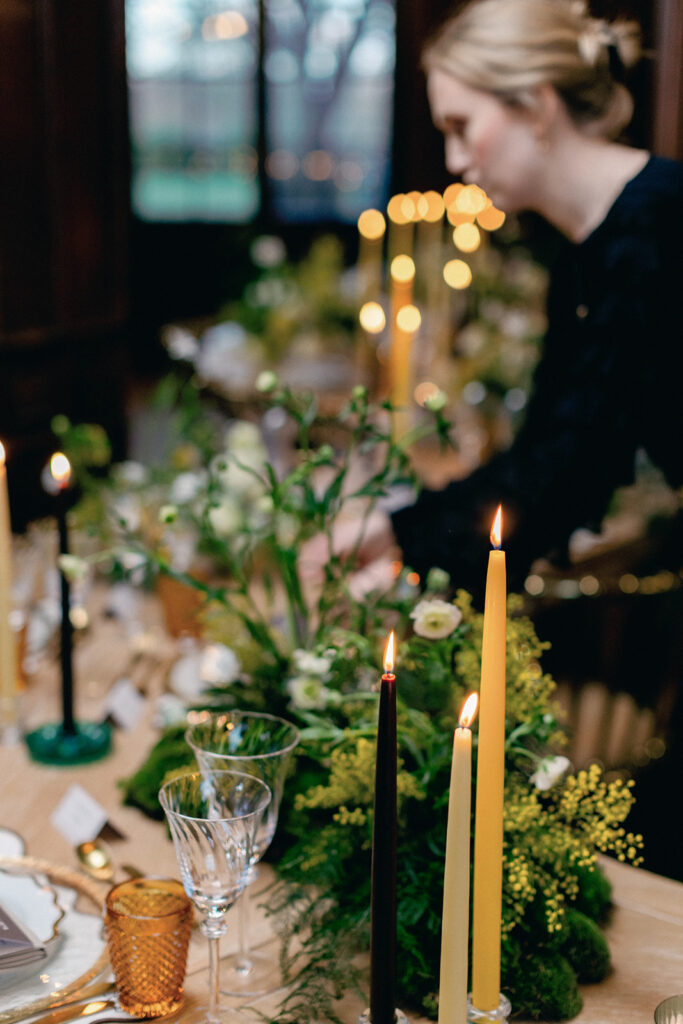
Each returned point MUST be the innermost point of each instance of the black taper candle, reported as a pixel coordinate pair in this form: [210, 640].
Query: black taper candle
[383, 872]
[66, 636]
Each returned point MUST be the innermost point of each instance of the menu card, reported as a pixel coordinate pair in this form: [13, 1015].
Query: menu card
[18, 945]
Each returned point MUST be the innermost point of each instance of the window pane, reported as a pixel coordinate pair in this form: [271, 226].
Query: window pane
[192, 86]
[193, 68]
[329, 71]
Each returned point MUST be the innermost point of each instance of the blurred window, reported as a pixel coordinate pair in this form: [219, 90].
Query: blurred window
[198, 78]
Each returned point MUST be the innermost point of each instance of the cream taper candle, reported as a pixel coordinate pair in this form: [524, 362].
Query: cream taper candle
[456, 883]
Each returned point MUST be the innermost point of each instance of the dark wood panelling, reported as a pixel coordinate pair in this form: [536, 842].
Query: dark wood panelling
[64, 215]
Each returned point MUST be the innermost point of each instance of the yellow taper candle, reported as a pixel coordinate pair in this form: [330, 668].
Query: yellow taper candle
[8, 672]
[456, 880]
[488, 834]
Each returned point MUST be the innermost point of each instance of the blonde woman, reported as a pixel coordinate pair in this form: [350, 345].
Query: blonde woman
[530, 99]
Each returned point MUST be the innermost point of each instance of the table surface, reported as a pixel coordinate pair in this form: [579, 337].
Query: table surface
[645, 933]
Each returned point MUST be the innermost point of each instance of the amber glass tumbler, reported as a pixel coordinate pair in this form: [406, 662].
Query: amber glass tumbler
[148, 923]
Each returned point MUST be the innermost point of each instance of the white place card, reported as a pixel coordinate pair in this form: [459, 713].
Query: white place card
[124, 704]
[78, 816]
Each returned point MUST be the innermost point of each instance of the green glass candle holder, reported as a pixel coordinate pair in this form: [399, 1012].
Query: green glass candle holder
[53, 744]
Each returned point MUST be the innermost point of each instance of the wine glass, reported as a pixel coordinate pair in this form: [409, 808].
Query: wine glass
[214, 818]
[261, 745]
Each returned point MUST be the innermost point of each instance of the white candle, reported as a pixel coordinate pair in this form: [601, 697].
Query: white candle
[8, 671]
[456, 883]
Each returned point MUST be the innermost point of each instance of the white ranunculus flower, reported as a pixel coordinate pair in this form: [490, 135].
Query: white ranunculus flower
[186, 487]
[126, 508]
[219, 665]
[549, 771]
[130, 472]
[309, 693]
[226, 519]
[435, 619]
[311, 664]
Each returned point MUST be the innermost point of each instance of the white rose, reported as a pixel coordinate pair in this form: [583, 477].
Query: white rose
[549, 771]
[435, 619]
[219, 665]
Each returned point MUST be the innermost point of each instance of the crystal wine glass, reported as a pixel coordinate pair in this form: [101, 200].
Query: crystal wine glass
[261, 745]
[214, 818]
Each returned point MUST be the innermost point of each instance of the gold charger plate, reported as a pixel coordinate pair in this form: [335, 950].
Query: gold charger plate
[81, 884]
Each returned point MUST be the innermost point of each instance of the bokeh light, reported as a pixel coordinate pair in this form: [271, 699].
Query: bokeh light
[372, 318]
[457, 274]
[371, 224]
[402, 269]
[408, 318]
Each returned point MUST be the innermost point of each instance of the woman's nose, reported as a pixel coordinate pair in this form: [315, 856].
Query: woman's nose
[455, 155]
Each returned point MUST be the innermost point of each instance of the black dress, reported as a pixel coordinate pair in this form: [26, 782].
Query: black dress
[607, 384]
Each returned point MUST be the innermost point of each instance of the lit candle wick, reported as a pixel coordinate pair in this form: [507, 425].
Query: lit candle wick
[389, 654]
[497, 529]
[60, 469]
[469, 711]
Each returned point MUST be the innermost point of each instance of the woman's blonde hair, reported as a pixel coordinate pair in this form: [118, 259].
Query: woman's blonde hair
[507, 47]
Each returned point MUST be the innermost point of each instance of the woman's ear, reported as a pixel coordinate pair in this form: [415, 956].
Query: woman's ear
[542, 105]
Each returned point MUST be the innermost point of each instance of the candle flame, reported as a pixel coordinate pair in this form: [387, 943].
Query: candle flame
[469, 711]
[497, 528]
[2, 454]
[389, 654]
[60, 468]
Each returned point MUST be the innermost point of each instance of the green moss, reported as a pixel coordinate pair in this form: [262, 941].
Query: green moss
[546, 988]
[595, 893]
[585, 947]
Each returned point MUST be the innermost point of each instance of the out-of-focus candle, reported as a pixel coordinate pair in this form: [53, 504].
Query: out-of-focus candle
[371, 230]
[456, 883]
[488, 836]
[408, 320]
[8, 663]
[401, 213]
[383, 896]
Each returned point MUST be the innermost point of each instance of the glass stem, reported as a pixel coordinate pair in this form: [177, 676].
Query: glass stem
[244, 963]
[214, 981]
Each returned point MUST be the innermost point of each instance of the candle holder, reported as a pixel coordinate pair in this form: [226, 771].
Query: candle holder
[670, 1011]
[54, 744]
[68, 742]
[501, 1013]
[399, 1018]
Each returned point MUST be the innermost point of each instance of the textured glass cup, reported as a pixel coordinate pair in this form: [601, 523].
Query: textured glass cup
[148, 923]
[260, 745]
[214, 818]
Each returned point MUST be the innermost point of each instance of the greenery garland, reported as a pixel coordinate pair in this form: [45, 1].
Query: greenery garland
[316, 661]
[555, 894]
